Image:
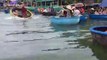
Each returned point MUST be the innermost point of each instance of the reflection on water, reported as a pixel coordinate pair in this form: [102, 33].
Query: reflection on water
[98, 50]
[38, 39]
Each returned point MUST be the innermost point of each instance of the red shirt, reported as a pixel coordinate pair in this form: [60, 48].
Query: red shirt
[24, 11]
[82, 10]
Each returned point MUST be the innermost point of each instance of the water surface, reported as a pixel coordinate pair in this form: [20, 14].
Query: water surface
[38, 39]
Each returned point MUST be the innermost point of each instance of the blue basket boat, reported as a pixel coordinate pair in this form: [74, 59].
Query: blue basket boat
[83, 18]
[93, 16]
[6, 11]
[65, 20]
[49, 13]
[99, 34]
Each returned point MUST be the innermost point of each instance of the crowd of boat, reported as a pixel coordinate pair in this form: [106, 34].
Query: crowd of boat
[77, 9]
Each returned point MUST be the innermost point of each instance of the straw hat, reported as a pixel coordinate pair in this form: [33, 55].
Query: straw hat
[92, 8]
[68, 7]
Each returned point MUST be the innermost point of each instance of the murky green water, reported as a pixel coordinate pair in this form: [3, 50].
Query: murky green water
[38, 39]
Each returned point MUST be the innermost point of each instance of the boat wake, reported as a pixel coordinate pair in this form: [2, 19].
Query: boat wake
[15, 18]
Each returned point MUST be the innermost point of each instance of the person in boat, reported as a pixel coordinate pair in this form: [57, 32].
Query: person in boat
[92, 10]
[53, 12]
[5, 4]
[52, 9]
[63, 12]
[76, 12]
[49, 10]
[20, 10]
[70, 10]
[23, 10]
[96, 12]
[15, 11]
[41, 10]
[81, 9]
[45, 10]
[104, 11]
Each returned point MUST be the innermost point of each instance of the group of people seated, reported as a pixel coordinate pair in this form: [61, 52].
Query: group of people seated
[20, 10]
[101, 11]
[66, 11]
[69, 11]
[46, 10]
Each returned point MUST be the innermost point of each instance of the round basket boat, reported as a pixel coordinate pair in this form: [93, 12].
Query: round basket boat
[65, 20]
[83, 18]
[29, 14]
[49, 13]
[31, 8]
[99, 34]
[93, 16]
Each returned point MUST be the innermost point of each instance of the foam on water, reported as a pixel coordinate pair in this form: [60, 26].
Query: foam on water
[15, 18]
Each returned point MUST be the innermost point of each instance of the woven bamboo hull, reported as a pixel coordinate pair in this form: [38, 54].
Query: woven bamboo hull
[99, 35]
